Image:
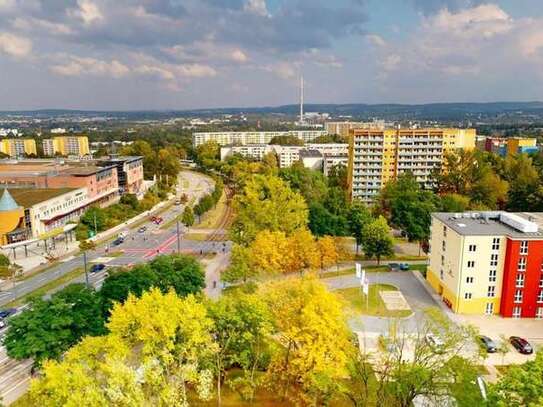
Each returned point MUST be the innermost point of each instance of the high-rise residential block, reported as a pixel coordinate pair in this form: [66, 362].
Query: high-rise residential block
[66, 145]
[18, 147]
[377, 156]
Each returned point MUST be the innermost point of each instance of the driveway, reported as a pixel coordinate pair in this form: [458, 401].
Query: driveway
[413, 291]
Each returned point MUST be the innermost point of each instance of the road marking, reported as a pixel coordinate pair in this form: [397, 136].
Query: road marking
[9, 390]
[67, 259]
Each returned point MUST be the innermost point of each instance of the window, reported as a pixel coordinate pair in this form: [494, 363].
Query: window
[443, 245]
[471, 264]
[520, 280]
[442, 260]
[441, 274]
[492, 276]
[469, 280]
[467, 296]
[524, 247]
[540, 296]
[445, 231]
[539, 312]
[518, 296]
[522, 264]
[472, 247]
[517, 311]
[496, 243]
[541, 281]
[489, 309]
[491, 291]
[493, 260]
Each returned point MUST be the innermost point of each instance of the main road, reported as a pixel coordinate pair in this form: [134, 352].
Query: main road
[138, 246]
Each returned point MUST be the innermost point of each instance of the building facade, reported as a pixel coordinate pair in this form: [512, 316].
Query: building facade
[488, 263]
[129, 173]
[66, 146]
[508, 146]
[377, 156]
[18, 147]
[253, 137]
[343, 128]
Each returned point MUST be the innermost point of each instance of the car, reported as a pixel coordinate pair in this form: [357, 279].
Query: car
[96, 268]
[152, 218]
[393, 266]
[142, 229]
[178, 202]
[404, 266]
[487, 344]
[158, 220]
[521, 344]
[435, 342]
[118, 241]
[7, 312]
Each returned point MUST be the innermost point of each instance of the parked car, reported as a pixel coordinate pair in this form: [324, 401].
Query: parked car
[487, 344]
[435, 342]
[404, 266]
[142, 229]
[521, 344]
[158, 220]
[178, 202]
[96, 268]
[393, 266]
[8, 312]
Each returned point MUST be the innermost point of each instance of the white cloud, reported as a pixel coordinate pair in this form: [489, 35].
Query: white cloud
[33, 24]
[257, 7]
[88, 12]
[376, 40]
[78, 66]
[284, 70]
[206, 51]
[15, 45]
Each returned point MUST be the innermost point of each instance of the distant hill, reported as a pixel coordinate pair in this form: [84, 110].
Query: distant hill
[431, 111]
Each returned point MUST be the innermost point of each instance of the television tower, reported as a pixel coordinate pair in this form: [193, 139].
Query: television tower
[301, 99]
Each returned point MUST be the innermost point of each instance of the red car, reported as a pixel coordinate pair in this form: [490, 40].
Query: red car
[158, 220]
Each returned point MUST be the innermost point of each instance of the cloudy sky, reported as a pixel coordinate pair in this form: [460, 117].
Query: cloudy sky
[161, 54]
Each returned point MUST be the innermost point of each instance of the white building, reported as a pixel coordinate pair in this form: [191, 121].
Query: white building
[58, 130]
[253, 137]
[331, 161]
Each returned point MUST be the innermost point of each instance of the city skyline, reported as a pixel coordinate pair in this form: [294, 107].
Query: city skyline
[166, 54]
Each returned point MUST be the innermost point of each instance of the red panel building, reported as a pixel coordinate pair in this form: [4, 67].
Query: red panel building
[522, 289]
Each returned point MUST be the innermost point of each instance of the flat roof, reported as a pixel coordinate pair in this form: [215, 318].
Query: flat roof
[310, 153]
[30, 197]
[489, 223]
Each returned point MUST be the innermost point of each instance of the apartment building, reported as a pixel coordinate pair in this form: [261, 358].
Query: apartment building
[488, 262]
[377, 156]
[508, 146]
[343, 128]
[252, 137]
[66, 146]
[18, 147]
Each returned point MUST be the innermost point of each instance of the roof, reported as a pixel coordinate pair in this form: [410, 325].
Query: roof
[86, 170]
[7, 203]
[30, 197]
[310, 153]
[516, 225]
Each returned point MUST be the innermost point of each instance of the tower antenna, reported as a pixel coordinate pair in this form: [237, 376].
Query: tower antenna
[301, 99]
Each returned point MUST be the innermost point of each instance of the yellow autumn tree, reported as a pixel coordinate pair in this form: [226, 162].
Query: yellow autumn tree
[314, 338]
[302, 253]
[157, 346]
[328, 252]
[268, 252]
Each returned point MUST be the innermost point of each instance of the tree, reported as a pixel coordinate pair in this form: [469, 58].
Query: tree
[313, 339]
[130, 200]
[287, 141]
[267, 203]
[188, 216]
[241, 268]
[359, 217]
[49, 327]
[454, 203]
[328, 253]
[309, 183]
[520, 385]
[208, 154]
[302, 252]
[377, 239]
[94, 218]
[156, 347]
[268, 252]
[242, 330]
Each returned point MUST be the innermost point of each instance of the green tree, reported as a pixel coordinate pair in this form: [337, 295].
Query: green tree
[359, 218]
[240, 269]
[309, 183]
[208, 154]
[188, 216]
[182, 273]
[454, 203]
[130, 200]
[49, 327]
[287, 141]
[267, 203]
[520, 385]
[94, 219]
[377, 239]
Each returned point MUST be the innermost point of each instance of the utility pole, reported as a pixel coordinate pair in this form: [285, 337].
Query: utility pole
[178, 237]
[85, 266]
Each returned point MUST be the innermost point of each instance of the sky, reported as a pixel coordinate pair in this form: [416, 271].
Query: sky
[184, 54]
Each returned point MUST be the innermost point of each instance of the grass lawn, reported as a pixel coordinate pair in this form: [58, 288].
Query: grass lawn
[376, 307]
[212, 218]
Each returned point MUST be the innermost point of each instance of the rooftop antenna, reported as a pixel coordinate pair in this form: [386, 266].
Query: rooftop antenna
[301, 99]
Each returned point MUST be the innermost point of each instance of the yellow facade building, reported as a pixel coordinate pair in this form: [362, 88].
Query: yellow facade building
[11, 218]
[66, 145]
[18, 147]
[516, 145]
[377, 156]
